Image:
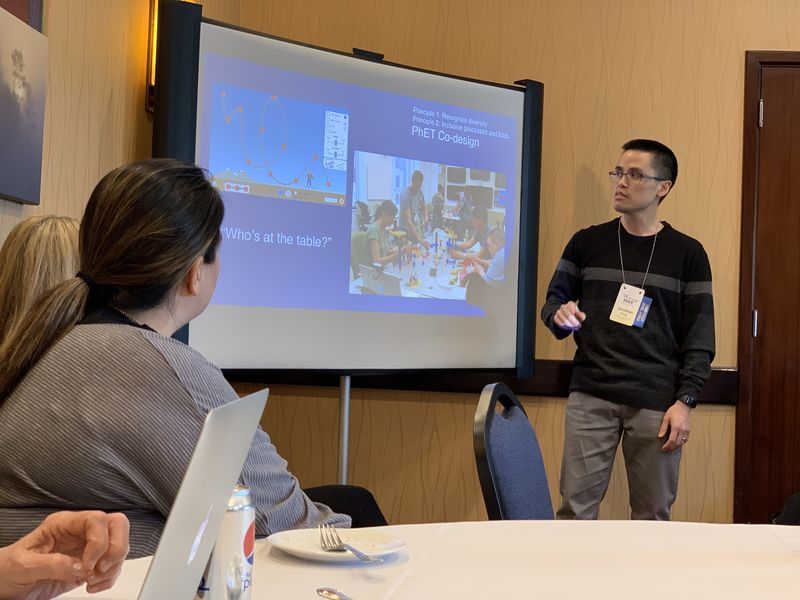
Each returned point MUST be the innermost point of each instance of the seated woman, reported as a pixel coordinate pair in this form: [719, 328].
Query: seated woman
[377, 242]
[39, 253]
[99, 407]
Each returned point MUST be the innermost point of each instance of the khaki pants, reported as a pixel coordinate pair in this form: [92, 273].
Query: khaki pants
[594, 428]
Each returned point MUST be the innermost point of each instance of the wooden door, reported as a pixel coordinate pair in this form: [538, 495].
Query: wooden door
[768, 417]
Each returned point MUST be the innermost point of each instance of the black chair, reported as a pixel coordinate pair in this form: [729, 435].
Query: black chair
[364, 218]
[352, 500]
[790, 515]
[478, 292]
[510, 467]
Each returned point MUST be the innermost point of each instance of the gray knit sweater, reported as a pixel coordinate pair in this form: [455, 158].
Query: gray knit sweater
[108, 420]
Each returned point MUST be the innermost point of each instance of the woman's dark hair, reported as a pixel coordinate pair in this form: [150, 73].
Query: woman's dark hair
[387, 207]
[144, 226]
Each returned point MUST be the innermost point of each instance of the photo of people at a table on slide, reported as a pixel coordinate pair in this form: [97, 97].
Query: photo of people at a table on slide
[424, 230]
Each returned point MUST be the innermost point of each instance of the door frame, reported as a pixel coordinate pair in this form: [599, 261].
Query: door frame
[745, 428]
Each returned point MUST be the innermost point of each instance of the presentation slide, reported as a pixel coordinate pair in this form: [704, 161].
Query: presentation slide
[363, 203]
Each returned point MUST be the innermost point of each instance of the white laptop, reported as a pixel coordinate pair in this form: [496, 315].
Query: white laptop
[379, 281]
[196, 515]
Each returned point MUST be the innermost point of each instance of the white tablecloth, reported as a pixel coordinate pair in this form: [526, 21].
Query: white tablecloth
[542, 559]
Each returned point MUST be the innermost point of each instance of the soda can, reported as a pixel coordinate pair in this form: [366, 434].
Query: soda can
[229, 573]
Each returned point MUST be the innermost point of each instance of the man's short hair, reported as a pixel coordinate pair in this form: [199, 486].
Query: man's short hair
[480, 213]
[417, 174]
[664, 161]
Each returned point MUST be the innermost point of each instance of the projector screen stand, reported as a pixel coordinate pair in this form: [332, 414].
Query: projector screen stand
[344, 425]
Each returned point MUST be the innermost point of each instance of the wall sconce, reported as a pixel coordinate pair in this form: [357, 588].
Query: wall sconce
[152, 44]
[151, 55]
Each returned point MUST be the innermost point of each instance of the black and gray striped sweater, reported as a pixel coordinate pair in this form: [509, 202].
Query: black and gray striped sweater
[671, 355]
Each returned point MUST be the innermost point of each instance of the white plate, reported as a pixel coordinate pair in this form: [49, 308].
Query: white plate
[304, 543]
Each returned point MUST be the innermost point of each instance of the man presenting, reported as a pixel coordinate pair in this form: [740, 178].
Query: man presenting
[637, 295]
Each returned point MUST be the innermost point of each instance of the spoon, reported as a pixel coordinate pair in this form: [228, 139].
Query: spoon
[332, 594]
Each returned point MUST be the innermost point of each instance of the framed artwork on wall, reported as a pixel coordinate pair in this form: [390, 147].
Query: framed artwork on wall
[23, 87]
[31, 12]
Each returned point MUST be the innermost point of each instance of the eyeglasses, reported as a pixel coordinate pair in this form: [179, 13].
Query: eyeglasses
[634, 177]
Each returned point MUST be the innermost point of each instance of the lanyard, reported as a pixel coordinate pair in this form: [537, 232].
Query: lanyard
[621, 265]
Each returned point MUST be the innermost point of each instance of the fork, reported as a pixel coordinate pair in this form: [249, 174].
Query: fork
[330, 541]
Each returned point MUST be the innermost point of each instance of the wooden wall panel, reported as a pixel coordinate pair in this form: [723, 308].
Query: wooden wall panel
[671, 69]
[613, 70]
[414, 451]
[679, 78]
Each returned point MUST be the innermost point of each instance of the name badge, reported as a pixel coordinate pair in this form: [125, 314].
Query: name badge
[626, 308]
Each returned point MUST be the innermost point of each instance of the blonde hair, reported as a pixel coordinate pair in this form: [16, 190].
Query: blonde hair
[38, 254]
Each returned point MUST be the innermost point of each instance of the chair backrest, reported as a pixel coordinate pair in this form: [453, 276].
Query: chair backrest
[358, 252]
[364, 218]
[790, 515]
[478, 292]
[509, 461]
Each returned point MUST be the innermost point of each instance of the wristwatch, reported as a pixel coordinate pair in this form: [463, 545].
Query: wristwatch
[688, 400]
